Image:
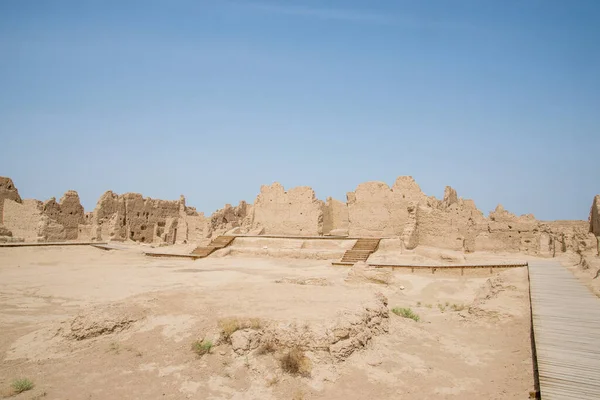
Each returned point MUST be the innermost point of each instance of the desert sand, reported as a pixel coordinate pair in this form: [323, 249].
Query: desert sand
[83, 323]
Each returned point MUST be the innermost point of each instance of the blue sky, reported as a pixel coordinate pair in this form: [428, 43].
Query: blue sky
[211, 99]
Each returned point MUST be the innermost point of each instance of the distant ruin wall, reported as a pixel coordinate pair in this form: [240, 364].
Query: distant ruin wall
[68, 213]
[376, 210]
[229, 218]
[295, 212]
[335, 217]
[8, 191]
[23, 219]
[132, 217]
[595, 216]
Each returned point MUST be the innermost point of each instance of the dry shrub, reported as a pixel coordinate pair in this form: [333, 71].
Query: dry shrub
[295, 362]
[229, 326]
[266, 348]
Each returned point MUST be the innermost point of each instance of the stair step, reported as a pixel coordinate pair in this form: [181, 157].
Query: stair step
[361, 251]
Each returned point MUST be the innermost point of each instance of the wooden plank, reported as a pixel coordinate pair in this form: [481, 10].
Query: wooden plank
[48, 244]
[173, 255]
[566, 330]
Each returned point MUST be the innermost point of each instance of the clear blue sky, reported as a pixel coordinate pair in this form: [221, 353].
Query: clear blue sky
[211, 99]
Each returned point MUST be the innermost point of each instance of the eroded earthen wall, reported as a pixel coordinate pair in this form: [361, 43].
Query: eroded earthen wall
[8, 191]
[295, 212]
[450, 223]
[376, 210]
[68, 212]
[335, 217]
[229, 218]
[23, 219]
[132, 217]
[595, 216]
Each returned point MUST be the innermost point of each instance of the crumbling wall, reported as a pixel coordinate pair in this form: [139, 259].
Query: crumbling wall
[23, 219]
[192, 226]
[451, 223]
[567, 236]
[8, 191]
[133, 217]
[238, 218]
[335, 217]
[51, 231]
[410, 234]
[295, 212]
[595, 216]
[68, 212]
[148, 220]
[370, 210]
[376, 210]
[504, 231]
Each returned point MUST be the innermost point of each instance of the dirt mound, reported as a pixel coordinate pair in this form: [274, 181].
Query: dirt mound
[499, 296]
[361, 272]
[101, 321]
[351, 331]
[489, 290]
[305, 281]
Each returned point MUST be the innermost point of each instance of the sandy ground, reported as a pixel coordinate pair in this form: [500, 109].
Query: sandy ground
[84, 323]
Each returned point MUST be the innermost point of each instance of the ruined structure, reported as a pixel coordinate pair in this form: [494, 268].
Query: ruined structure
[295, 212]
[132, 217]
[374, 209]
[68, 213]
[7, 191]
[595, 216]
[231, 219]
[335, 218]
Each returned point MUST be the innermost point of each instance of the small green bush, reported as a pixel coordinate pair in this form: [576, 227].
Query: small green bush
[202, 347]
[22, 385]
[406, 313]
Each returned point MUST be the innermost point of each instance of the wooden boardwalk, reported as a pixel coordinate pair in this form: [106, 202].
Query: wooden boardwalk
[566, 329]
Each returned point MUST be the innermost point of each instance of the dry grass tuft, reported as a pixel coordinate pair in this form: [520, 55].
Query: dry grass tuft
[295, 362]
[229, 326]
[266, 347]
[21, 385]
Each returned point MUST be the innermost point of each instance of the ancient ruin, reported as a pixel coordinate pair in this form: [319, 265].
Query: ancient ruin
[259, 300]
[373, 209]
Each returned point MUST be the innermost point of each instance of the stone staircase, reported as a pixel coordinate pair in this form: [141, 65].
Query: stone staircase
[218, 243]
[361, 251]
